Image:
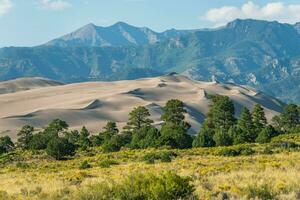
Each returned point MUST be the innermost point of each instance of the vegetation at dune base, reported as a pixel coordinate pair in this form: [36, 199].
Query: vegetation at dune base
[230, 158]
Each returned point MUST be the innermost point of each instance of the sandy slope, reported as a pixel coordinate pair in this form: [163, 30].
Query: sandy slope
[94, 103]
[25, 84]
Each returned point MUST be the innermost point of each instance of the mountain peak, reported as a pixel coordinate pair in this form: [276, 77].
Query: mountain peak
[118, 34]
[121, 24]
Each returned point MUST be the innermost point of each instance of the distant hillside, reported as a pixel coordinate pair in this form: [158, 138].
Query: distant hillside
[261, 54]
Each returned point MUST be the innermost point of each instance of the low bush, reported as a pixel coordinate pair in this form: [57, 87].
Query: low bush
[263, 192]
[235, 151]
[284, 144]
[107, 163]
[22, 165]
[85, 165]
[165, 156]
[167, 186]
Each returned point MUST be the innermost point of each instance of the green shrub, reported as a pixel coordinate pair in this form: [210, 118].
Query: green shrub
[267, 150]
[22, 165]
[165, 156]
[58, 148]
[166, 186]
[262, 192]
[85, 165]
[235, 151]
[107, 163]
[284, 144]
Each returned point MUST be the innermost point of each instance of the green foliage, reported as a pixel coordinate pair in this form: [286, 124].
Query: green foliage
[6, 145]
[25, 136]
[175, 136]
[138, 118]
[290, 117]
[167, 186]
[222, 138]
[111, 128]
[84, 141]
[235, 151]
[55, 127]
[289, 120]
[72, 136]
[96, 140]
[262, 192]
[85, 165]
[145, 137]
[174, 130]
[266, 134]
[107, 163]
[284, 144]
[246, 127]
[204, 138]
[58, 148]
[116, 142]
[39, 141]
[173, 113]
[22, 165]
[164, 156]
[221, 113]
[259, 118]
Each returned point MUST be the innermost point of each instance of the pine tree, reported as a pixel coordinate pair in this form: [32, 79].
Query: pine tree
[259, 118]
[222, 138]
[222, 113]
[6, 144]
[25, 136]
[290, 117]
[174, 130]
[174, 112]
[266, 134]
[111, 128]
[204, 138]
[84, 140]
[138, 118]
[246, 126]
[58, 148]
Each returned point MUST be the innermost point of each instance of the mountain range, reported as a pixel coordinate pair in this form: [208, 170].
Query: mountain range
[262, 54]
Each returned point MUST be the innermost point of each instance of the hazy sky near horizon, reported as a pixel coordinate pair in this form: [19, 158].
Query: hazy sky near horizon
[33, 22]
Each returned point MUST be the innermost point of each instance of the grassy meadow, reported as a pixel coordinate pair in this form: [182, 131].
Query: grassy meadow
[253, 171]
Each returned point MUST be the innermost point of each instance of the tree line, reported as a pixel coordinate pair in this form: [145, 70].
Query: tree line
[220, 128]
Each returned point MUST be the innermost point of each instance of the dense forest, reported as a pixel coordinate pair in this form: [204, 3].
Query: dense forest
[220, 128]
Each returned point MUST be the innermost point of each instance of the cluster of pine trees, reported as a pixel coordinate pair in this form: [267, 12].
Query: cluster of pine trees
[220, 128]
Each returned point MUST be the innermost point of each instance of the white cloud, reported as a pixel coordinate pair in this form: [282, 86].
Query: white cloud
[54, 4]
[280, 11]
[5, 6]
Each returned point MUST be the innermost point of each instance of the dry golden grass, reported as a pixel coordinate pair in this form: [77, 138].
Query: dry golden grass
[214, 177]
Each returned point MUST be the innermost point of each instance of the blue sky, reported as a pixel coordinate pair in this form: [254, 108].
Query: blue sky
[33, 22]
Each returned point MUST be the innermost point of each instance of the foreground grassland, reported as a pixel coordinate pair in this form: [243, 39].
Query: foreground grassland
[262, 172]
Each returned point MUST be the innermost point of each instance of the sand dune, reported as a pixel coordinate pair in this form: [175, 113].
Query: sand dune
[94, 103]
[25, 84]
